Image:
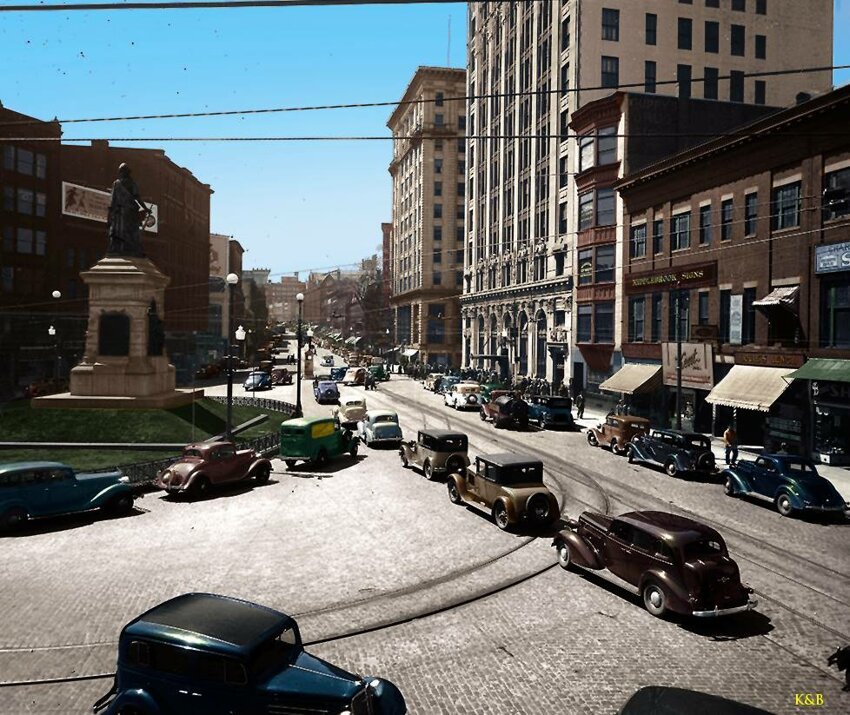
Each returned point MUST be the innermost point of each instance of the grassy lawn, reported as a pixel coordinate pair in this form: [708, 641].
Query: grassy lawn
[20, 423]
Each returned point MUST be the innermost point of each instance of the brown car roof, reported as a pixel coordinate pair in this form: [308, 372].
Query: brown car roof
[670, 527]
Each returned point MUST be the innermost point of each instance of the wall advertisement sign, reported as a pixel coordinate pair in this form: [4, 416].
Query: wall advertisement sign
[736, 319]
[832, 258]
[93, 205]
[697, 365]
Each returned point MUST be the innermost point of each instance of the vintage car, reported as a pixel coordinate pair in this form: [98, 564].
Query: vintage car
[205, 465]
[678, 452]
[430, 382]
[510, 486]
[281, 376]
[216, 655]
[355, 376]
[315, 441]
[549, 412]
[34, 489]
[351, 410]
[380, 427]
[328, 361]
[443, 385]
[337, 374]
[326, 392]
[616, 432]
[664, 700]
[463, 396]
[379, 372]
[258, 381]
[488, 388]
[791, 483]
[436, 452]
[505, 409]
[674, 563]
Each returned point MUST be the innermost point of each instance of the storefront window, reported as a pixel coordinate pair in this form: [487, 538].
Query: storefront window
[835, 314]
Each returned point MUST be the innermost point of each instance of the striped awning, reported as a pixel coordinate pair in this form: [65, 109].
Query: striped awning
[750, 388]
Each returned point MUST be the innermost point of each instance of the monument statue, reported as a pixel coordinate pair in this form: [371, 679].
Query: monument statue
[127, 213]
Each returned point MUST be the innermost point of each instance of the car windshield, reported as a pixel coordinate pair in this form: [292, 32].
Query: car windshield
[800, 468]
[521, 474]
[559, 403]
[452, 444]
[385, 418]
[275, 653]
[291, 430]
[354, 403]
[703, 548]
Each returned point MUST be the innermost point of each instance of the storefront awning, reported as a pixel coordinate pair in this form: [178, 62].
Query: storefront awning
[829, 369]
[634, 378]
[410, 352]
[355, 341]
[750, 388]
[785, 297]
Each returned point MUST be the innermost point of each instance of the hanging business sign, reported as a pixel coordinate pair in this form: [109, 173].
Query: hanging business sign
[697, 365]
[832, 258]
[695, 276]
[736, 318]
[93, 205]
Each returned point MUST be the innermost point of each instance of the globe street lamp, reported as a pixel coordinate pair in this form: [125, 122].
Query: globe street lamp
[298, 411]
[51, 331]
[240, 338]
[232, 279]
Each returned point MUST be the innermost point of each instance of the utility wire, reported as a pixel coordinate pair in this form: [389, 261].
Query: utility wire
[212, 4]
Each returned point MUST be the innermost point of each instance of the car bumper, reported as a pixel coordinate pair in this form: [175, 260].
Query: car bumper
[716, 612]
[385, 440]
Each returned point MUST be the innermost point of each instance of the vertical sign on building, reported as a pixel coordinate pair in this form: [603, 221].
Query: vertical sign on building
[736, 318]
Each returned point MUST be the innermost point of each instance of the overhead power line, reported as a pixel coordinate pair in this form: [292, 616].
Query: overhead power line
[210, 4]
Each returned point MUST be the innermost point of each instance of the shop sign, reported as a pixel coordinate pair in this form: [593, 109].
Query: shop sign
[736, 319]
[93, 205]
[770, 359]
[696, 276]
[697, 365]
[832, 258]
[825, 391]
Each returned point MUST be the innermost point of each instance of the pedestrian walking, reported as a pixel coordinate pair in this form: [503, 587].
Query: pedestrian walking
[579, 406]
[730, 439]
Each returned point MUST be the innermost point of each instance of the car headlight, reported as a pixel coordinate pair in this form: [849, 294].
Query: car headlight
[124, 480]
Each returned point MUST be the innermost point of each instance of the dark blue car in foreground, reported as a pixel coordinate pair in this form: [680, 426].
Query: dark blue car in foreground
[791, 483]
[203, 653]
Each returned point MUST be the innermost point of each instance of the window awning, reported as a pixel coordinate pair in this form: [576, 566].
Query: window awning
[354, 341]
[785, 297]
[829, 369]
[410, 352]
[750, 388]
[634, 378]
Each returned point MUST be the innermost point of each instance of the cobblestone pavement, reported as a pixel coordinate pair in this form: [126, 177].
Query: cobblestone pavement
[366, 543]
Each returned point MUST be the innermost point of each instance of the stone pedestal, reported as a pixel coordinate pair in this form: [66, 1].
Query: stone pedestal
[124, 363]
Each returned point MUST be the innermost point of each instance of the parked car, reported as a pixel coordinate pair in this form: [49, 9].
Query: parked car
[674, 450]
[217, 655]
[436, 452]
[506, 410]
[430, 382]
[380, 427]
[258, 381]
[379, 372]
[355, 376]
[443, 385]
[315, 441]
[675, 563]
[338, 373]
[326, 392]
[281, 376]
[34, 489]
[351, 410]
[488, 388]
[550, 412]
[205, 465]
[791, 483]
[463, 396]
[616, 432]
[510, 486]
[328, 361]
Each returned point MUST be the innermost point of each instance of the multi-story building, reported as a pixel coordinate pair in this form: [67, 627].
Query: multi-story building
[428, 172]
[386, 260]
[530, 66]
[225, 257]
[280, 297]
[740, 249]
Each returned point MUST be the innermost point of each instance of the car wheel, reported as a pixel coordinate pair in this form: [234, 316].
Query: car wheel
[12, 519]
[404, 462]
[783, 505]
[321, 458]
[261, 476]
[615, 448]
[482, 415]
[564, 556]
[428, 470]
[454, 494]
[120, 505]
[729, 487]
[630, 454]
[591, 438]
[671, 469]
[654, 599]
[500, 516]
[200, 488]
[290, 463]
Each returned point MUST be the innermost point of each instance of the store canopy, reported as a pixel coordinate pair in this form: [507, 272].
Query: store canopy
[823, 369]
[410, 352]
[785, 297]
[634, 378]
[750, 388]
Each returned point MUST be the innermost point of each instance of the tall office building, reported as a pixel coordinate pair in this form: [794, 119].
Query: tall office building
[428, 214]
[530, 66]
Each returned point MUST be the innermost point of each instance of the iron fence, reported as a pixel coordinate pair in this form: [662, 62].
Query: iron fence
[264, 403]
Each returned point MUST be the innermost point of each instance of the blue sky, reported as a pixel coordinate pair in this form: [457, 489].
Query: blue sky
[293, 206]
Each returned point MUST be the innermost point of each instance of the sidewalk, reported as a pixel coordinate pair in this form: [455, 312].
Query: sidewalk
[839, 476]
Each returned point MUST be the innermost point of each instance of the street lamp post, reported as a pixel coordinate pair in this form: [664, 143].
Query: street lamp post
[298, 411]
[678, 361]
[53, 333]
[232, 279]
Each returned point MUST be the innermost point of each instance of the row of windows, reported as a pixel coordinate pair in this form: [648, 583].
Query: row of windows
[595, 322]
[596, 265]
[24, 161]
[24, 240]
[25, 201]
